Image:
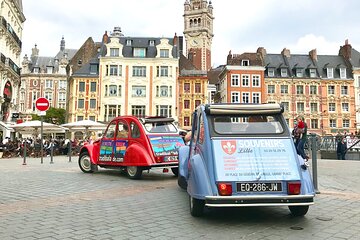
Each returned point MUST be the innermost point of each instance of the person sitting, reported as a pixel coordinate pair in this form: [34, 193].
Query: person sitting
[122, 131]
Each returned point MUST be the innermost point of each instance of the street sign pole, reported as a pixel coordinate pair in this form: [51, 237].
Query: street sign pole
[42, 104]
[41, 144]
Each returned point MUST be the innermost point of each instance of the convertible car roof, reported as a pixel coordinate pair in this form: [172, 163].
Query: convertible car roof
[238, 108]
[156, 119]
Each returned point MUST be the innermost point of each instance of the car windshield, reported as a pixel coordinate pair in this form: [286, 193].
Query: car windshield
[249, 124]
[160, 127]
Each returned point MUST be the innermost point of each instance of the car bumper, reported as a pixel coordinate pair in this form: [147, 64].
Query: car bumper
[165, 164]
[257, 201]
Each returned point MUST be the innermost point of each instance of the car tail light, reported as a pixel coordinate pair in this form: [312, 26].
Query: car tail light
[225, 189]
[159, 159]
[294, 188]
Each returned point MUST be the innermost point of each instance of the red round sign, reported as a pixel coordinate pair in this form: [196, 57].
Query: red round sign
[42, 104]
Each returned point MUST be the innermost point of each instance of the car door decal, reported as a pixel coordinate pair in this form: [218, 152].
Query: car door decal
[106, 148]
[166, 145]
[119, 150]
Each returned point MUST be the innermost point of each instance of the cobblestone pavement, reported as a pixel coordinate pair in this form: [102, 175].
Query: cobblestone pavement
[58, 201]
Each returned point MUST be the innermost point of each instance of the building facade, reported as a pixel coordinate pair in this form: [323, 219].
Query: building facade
[44, 77]
[138, 76]
[11, 26]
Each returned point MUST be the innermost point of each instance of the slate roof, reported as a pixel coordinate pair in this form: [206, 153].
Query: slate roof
[84, 70]
[325, 61]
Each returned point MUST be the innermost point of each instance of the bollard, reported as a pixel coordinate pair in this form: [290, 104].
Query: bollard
[69, 150]
[24, 152]
[52, 151]
[314, 161]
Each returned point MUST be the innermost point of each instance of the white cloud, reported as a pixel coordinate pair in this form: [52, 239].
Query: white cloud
[311, 41]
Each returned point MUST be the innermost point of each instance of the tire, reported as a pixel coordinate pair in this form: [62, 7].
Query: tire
[175, 171]
[298, 211]
[182, 182]
[196, 207]
[134, 172]
[85, 163]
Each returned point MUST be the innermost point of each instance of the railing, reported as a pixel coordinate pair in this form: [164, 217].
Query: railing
[10, 30]
[7, 61]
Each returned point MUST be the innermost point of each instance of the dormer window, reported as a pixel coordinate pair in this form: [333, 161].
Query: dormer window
[312, 72]
[245, 62]
[128, 42]
[151, 43]
[342, 73]
[271, 72]
[330, 72]
[284, 72]
[114, 52]
[49, 70]
[139, 52]
[164, 53]
[299, 72]
[36, 70]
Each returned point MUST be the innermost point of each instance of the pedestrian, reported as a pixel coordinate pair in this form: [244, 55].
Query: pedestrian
[341, 149]
[302, 131]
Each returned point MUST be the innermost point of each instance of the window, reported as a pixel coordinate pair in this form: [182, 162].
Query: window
[187, 87]
[300, 107]
[138, 110]
[187, 104]
[312, 72]
[197, 87]
[313, 107]
[332, 123]
[314, 123]
[62, 96]
[36, 70]
[245, 62]
[151, 43]
[344, 90]
[49, 70]
[245, 97]
[139, 71]
[138, 91]
[93, 87]
[48, 96]
[112, 90]
[79, 118]
[342, 73]
[235, 80]
[313, 90]
[346, 123]
[299, 72]
[345, 107]
[284, 72]
[186, 121]
[81, 86]
[114, 52]
[163, 110]
[245, 80]
[235, 97]
[162, 71]
[256, 97]
[197, 103]
[164, 53]
[271, 89]
[284, 89]
[111, 112]
[93, 68]
[331, 89]
[139, 52]
[255, 80]
[113, 70]
[62, 84]
[48, 83]
[330, 72]
[92, 103]
[286, 106]
[81, 103]
[332, 107]
[128, 42]
[164, 91]
[92, 118]
[271, 72]
[299, 89]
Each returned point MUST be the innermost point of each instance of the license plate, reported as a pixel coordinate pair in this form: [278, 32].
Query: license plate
[170, 158]
[258, 187]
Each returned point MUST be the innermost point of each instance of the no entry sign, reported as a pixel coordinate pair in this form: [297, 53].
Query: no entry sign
[42, 104]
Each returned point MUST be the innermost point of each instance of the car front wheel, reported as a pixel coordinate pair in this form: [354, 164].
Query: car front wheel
[134, 172]
[85, 163]
[196, 207]
[298, 210]
[175, 171]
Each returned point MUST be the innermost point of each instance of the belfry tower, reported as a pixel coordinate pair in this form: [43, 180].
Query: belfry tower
[198, 32]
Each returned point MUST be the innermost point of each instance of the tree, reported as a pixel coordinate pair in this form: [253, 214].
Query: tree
[53, 115]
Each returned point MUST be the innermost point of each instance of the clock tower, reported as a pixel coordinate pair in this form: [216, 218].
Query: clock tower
[198, 32]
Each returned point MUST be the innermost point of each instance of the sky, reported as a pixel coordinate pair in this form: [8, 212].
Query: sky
[239, 25]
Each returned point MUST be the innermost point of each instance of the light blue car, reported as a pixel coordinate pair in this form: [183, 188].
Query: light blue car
[243, 155]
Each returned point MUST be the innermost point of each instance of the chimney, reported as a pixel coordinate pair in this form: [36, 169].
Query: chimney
[229, 58]
[262, 52]
[313, 55]
[175, 40]
[105, 38]
[34, 51]
[286, 53]
[345, 50]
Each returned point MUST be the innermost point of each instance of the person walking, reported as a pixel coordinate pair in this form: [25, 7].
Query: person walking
[341, 149]
[302, 131]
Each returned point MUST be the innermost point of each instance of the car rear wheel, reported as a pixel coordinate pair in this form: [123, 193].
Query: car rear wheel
[175, 171]
[298, 210]
[196, 207]
[85, 163]
[134, 172]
